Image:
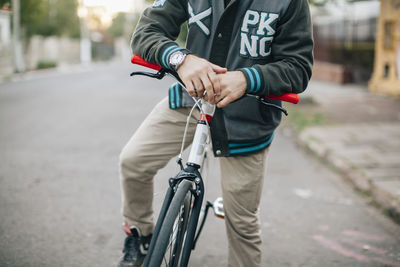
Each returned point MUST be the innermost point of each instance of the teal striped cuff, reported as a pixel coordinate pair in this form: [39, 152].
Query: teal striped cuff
[175, 96]
[255, 82]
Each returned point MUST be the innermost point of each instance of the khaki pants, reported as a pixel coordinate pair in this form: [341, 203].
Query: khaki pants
[159, 139]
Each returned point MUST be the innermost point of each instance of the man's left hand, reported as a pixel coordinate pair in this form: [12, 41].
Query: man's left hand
[233, 86]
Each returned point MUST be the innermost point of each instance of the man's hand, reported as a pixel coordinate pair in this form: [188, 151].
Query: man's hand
[198, 75]
[233, 86]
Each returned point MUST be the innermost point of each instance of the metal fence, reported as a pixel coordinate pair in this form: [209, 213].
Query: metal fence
[348, 43]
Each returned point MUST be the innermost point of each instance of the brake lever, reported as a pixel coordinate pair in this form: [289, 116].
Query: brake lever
[263, 101]
[159, 75]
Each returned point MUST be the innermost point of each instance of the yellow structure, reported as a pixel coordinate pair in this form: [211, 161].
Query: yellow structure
[386, 76]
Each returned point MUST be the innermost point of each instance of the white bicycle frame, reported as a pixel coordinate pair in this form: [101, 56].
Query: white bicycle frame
[201, 134]
[199, 144]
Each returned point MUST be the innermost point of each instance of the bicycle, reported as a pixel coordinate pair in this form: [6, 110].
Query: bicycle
[175, 234]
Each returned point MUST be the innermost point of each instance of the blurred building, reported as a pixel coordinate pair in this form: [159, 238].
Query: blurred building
[344, 34]
[100, 17]
[386, 76]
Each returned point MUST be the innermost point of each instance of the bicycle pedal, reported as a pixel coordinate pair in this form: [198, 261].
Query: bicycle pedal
[218, 207]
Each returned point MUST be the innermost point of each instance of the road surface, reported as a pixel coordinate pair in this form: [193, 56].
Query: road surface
[60, 137]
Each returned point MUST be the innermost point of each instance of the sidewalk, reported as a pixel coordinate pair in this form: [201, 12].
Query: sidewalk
[361, 139]
[57, 71]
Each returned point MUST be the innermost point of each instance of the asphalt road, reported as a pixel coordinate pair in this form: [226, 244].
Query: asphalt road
[60, 138]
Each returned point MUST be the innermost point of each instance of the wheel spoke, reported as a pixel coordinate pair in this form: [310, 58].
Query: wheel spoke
[173, 238]
[169, 249]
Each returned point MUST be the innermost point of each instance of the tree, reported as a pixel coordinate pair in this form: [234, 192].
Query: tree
[66, 17]
[117, 26]
[48, 17]
[3, 2]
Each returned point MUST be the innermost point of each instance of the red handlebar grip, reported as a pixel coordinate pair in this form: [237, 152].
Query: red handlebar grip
[288, 97]
[140, 61]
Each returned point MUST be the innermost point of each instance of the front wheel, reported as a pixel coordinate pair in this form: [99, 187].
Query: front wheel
[169, 244]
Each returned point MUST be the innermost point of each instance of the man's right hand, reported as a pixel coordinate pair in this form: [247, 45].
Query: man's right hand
[200, 75]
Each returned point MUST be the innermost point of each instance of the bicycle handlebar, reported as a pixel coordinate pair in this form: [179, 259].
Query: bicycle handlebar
[288, 97]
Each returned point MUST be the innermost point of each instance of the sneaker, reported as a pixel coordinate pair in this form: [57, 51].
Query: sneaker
[135, 248]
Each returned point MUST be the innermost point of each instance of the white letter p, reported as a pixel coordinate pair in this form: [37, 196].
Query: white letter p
[250, 18]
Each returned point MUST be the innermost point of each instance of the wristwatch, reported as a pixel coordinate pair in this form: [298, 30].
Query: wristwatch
[176, 59]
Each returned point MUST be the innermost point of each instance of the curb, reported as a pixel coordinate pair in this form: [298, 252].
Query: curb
[381, 194]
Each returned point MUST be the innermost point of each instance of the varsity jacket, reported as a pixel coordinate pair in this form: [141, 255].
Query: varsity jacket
[270, 41]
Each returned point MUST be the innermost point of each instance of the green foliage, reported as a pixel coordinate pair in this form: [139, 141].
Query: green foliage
[48, 17]
[46, 64]
[320, 2]
[118, 25]
[183, 34]
[317, 2]
[3, 2]
[301, 121]
[65, 17]
[359, 54]
[305, 115]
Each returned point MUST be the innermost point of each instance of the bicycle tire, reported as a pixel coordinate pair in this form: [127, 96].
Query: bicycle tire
[178, 216]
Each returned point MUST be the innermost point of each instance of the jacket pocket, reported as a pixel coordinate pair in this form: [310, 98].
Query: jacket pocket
[270, 114]
[248, 120]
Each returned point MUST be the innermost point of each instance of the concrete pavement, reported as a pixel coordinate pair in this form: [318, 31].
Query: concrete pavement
[361, 139]
[60, 137]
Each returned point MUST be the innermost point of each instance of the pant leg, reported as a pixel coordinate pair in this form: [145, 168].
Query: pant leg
[155, 142]
[242, 181]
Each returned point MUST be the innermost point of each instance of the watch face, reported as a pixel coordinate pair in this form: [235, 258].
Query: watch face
[176, 58]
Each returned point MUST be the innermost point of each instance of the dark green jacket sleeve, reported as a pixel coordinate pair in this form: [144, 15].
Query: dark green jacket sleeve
[292, 53]
[157, 30]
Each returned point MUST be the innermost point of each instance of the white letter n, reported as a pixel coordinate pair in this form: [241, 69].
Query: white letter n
[245, 45]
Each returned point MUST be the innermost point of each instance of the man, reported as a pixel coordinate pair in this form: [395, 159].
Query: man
[233, 47]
